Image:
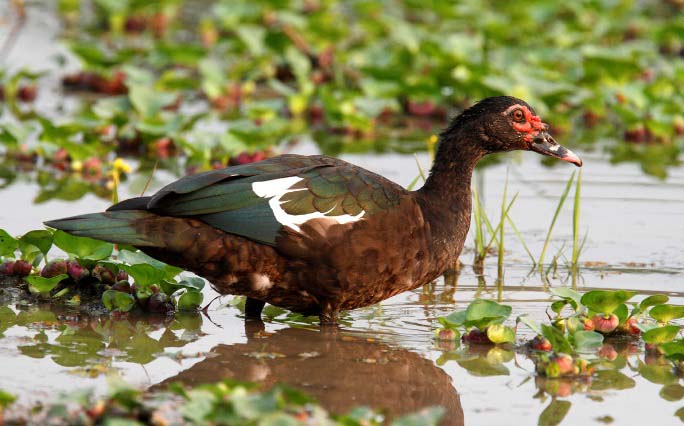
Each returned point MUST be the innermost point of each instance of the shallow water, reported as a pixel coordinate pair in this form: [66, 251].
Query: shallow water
[382, 356]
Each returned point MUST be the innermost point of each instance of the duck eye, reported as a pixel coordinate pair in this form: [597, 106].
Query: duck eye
[518, 115]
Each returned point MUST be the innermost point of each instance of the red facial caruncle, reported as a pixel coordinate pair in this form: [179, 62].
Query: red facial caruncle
[532, 124]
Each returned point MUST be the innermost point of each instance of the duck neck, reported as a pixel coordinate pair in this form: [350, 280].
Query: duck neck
[448, 184]
[445, 199]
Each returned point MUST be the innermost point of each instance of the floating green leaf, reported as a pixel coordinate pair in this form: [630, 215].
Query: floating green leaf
[454, 319]
[143, 274]
[42, 239]
[606, 301]
[117, 301]
[40, 285]
[482, 313]
[8, 244]
[653, 300]
[499, 333]
[532, 324]
[83, 247]
[190, 300]
[567, 294]
[661, 334]
[557, 339]
[666, 313]
[586, 341]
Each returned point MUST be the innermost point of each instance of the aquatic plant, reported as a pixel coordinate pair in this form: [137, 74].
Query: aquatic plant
[123, 281]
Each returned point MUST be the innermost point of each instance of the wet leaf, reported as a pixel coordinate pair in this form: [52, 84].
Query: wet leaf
[190, 283]
[40, 285]
[557, 339]
[83, 247]
[653, 300]
[190, 300]
[532, 324]
[8, 244]
[118, 301]
[555, 413]
[499, 333]
[586, 341]
[143, 274]
[567, 294]
[672, 392]
[666, 313]
[456, 319]
[622, 312]
[482, 308]
[138, 257]
[661, 334]
[40, 238]
[606, 301]
[673, 350]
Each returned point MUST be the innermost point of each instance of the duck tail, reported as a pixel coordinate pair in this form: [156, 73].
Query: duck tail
[118, 226]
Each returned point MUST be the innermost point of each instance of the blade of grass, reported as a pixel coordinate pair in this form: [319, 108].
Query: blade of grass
[502, 227]
[413, 183]
[496, 231]
[522, 241]
[420, 168]
[540, 262]
[576, 220]
[477, 217]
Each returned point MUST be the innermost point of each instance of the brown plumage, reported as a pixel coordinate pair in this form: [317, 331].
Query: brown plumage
[316, 234]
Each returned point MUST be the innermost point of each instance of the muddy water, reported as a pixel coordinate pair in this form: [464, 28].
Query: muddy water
[384, 356]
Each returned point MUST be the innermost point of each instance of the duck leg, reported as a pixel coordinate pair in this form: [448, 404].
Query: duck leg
[328, 316]
[253, 308]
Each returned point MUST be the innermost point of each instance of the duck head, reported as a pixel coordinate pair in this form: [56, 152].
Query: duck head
[505, 123]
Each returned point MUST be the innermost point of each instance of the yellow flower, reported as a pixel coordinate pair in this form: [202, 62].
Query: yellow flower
[433, 139]
[121, 166]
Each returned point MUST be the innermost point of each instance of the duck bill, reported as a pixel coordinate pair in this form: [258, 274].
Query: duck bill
[544, 144]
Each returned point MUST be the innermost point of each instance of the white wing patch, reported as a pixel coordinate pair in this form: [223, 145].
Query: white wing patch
[276, 188]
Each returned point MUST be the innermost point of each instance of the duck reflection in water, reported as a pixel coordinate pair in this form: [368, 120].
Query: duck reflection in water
[339, 370]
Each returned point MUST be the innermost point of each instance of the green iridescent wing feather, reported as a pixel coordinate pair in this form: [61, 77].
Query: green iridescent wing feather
[226, 200]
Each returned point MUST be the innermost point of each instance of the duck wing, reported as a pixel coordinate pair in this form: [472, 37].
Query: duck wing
[260, 201]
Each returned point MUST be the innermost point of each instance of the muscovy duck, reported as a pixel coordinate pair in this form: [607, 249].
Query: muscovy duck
[316, 234]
